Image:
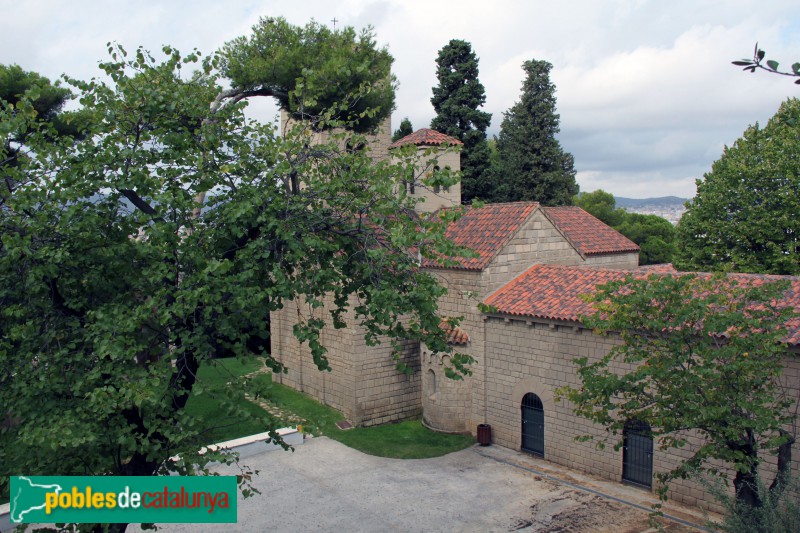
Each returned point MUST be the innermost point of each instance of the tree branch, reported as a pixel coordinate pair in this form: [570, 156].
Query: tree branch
[139, 203]
[231, 96]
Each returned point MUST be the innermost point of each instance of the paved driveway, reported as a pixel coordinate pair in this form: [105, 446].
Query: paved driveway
[326, 486]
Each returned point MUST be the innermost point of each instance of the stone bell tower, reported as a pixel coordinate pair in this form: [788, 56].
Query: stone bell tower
[432, 155]
[377, 142]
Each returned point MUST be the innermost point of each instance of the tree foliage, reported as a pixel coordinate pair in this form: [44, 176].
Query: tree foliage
[700, 363]
[533, 166]
[47, 100]
[456, 100]
[311, 69]
[602, 205]
[45, 103]
[116, 285]
[744, 216]
[404, 130]
[772, 66]
[654, 234]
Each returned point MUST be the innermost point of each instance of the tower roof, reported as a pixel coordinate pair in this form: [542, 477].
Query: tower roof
[426, 137]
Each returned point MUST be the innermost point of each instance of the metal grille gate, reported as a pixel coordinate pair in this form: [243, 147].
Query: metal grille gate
[532, 424]
[637, 454]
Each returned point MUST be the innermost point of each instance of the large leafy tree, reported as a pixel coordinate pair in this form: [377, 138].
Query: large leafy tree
[700, 363]
[654, 234]
[311, 69]
[116, 285]
[602, 205]
[744, 216]
[44, 102]
[456, 100]
[532, 164]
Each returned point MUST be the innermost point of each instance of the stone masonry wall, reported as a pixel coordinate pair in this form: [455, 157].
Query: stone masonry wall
[364, 383]
[458, 406]
[538, 241]
[383, 393]
[526, 356]
[446, 402]
[622, 261]
[335, 388]
[377, 143]
[433, 199]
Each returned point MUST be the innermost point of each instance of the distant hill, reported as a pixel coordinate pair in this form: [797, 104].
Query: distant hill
[638, 203]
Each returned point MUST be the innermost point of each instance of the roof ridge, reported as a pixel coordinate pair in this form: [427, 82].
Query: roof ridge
[426, 137]
[487, 230]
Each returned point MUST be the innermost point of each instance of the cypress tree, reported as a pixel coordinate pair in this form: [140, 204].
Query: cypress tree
[456, 101]
[405, 129]
[532, 164]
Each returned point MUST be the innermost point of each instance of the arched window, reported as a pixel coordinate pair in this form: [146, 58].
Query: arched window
[533, 424]
[432, 384]
[637, 454]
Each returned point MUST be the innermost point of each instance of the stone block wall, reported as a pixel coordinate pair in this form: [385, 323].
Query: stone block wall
[336, 387]
[427, 158]
[363, 383]
[446, 403]
[526, 356]
[464, 399]
[377, 143]
[383, 393]
[621, 261]
[538, 241]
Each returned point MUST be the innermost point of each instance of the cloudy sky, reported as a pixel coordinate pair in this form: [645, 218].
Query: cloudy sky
[646, 92]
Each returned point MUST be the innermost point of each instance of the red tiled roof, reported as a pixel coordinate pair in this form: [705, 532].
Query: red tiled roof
[426, 137]
[554, 292]
[587, 234]
[485, 230]
[551, 291]
[455, 335]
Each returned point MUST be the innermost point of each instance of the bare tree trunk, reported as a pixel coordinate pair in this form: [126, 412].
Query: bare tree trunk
[747, 488]
[784, 466]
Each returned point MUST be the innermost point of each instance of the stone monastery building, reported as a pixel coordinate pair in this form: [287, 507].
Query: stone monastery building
[533, 264]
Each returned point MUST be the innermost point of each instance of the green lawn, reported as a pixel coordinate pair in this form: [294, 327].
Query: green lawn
[404, 440]
[227, 415]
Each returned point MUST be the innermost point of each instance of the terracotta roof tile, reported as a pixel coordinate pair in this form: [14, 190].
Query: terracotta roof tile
[455, 335]
[554, 292]
[589, 235]
[551, 291]
[486, 230]
[426, 137]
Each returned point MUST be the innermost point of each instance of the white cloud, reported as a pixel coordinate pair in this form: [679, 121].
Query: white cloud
[646, 92]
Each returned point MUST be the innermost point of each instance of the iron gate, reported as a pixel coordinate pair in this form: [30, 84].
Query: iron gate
[637, 454]
[532, 424]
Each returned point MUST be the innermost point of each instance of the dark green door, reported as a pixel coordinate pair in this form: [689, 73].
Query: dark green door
[637, 455]
[532, 424]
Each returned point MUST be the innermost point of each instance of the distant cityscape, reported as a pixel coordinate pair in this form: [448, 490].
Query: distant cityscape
[669, 207]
